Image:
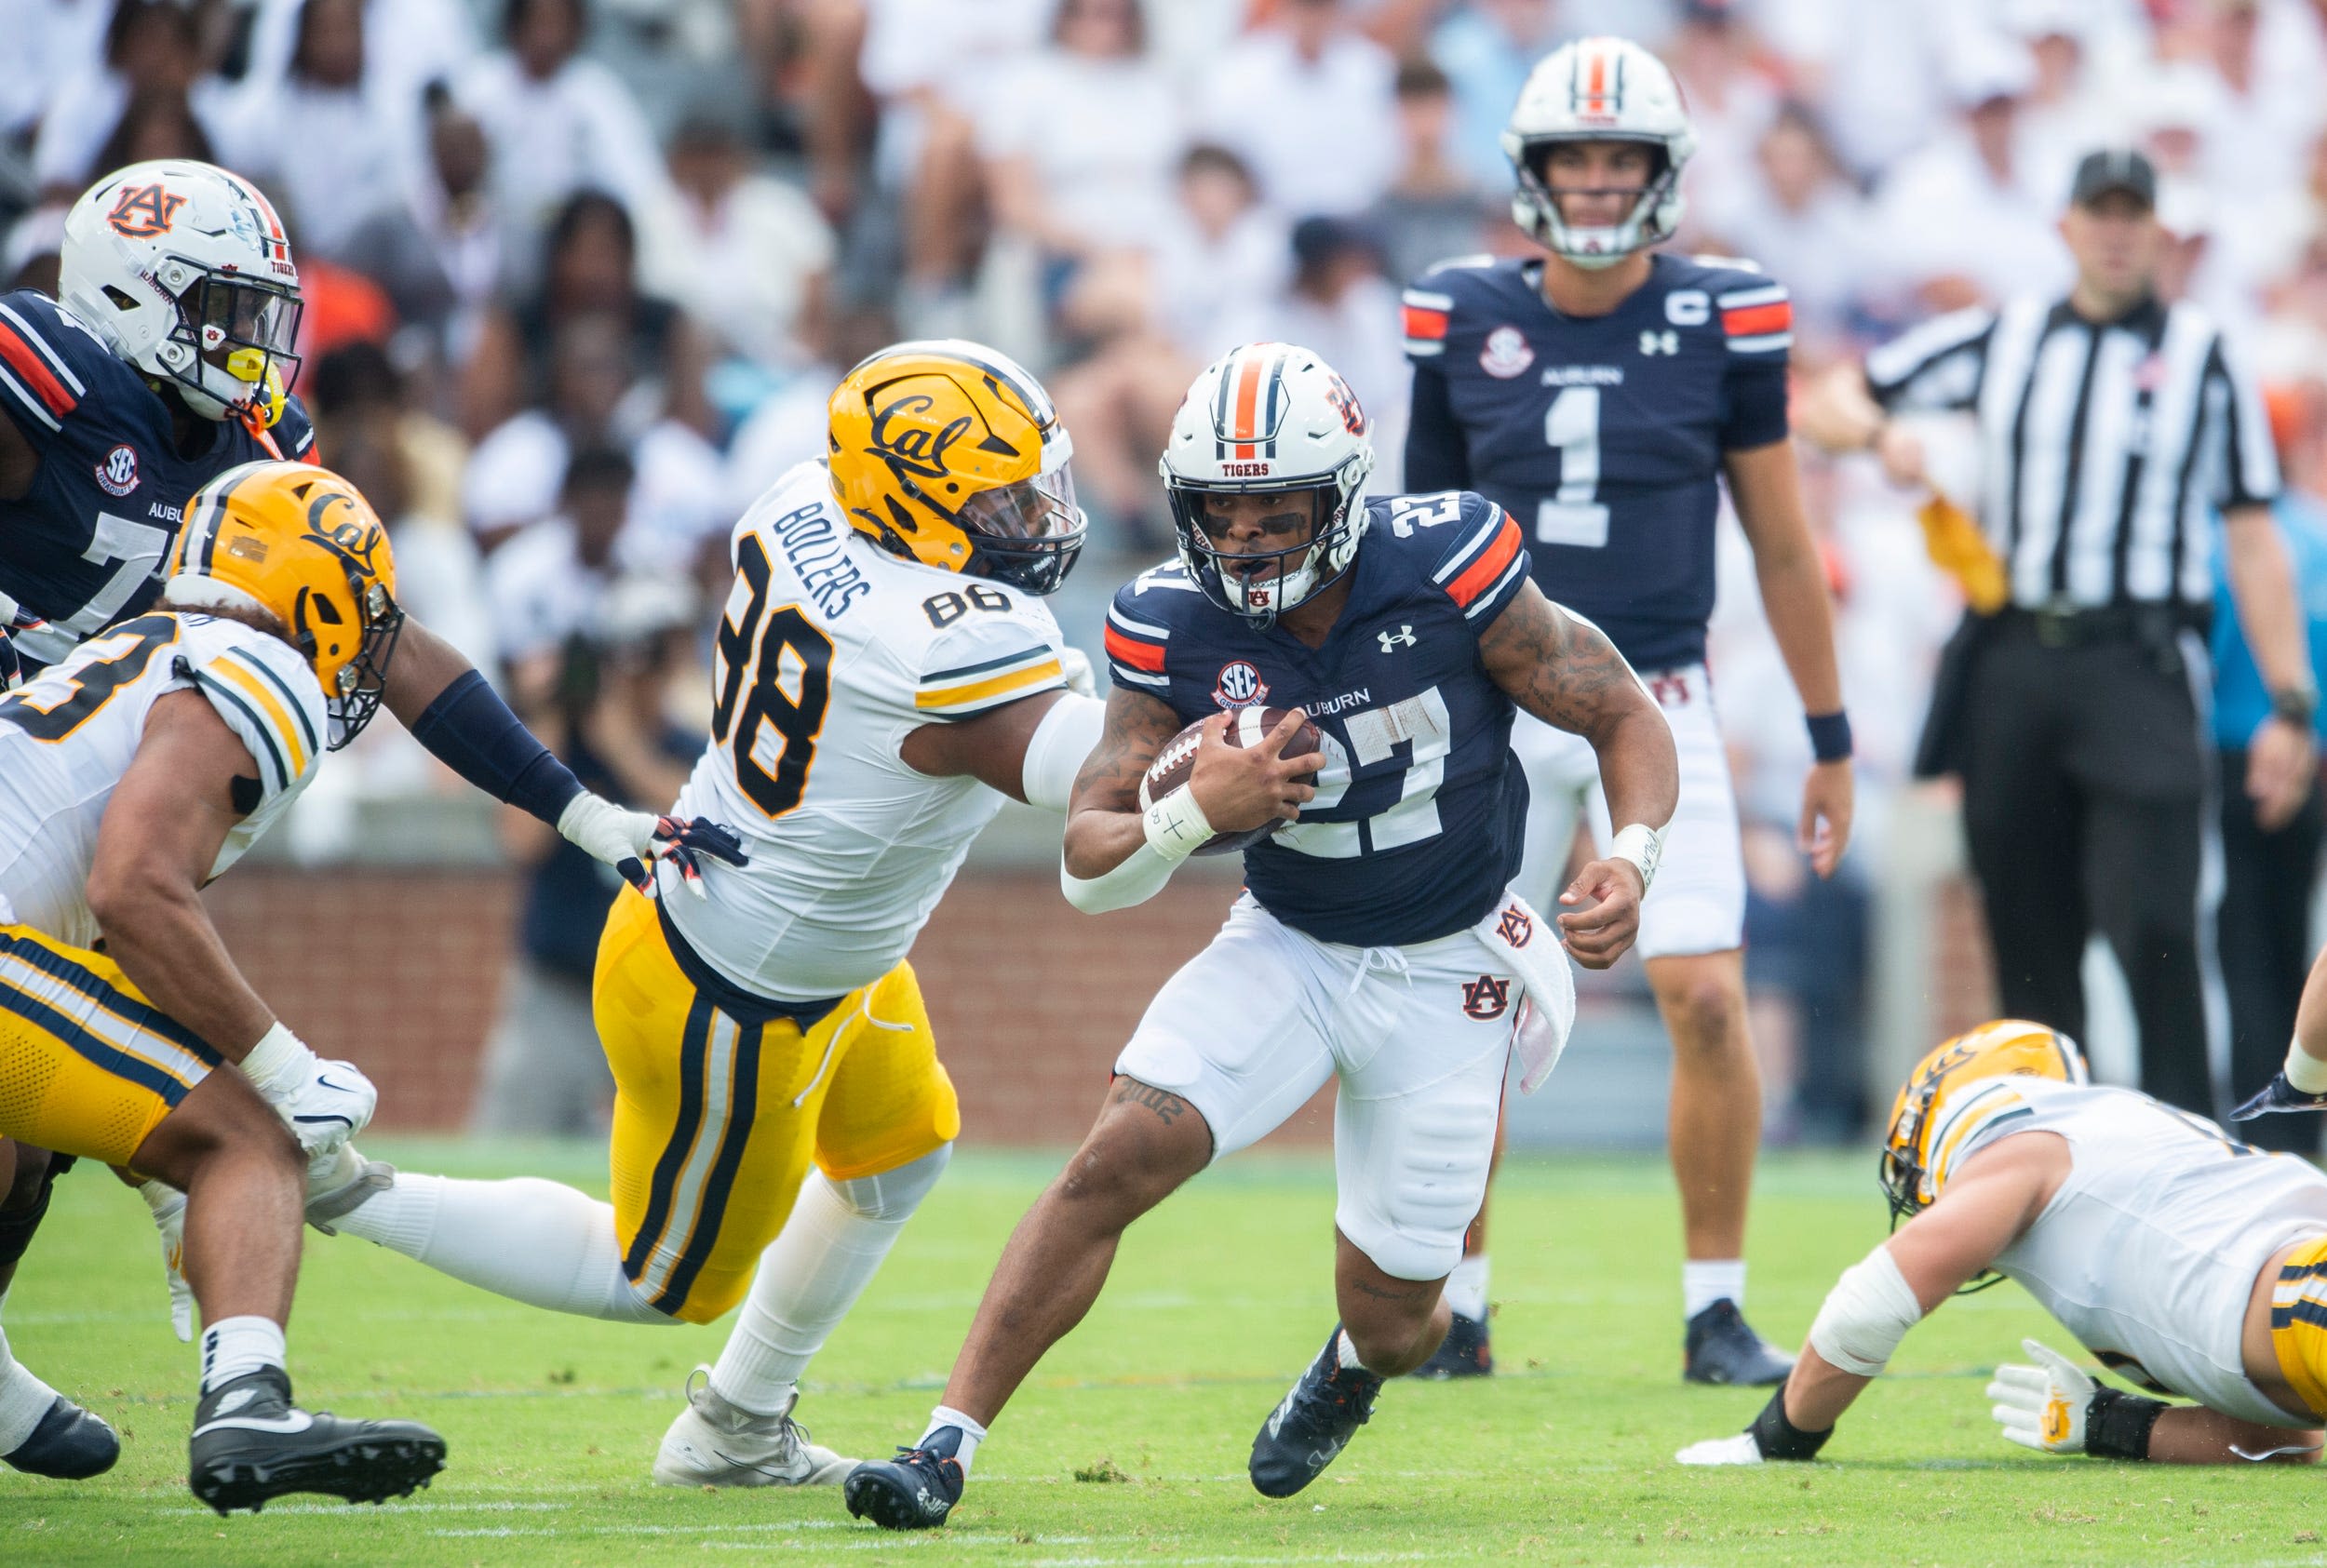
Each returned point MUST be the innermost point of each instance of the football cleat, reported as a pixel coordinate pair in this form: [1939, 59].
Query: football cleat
[1722, 1348]
[716, 1444]
[69, 1444]
[1315, 1424]
[250, 1443]
[2278, 1095]
[1463, 1353]
[914, 1490]
[338, 1182]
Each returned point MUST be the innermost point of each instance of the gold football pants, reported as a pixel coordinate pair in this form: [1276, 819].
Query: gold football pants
[2298, 1322]
[88, 1065]
[721, 1099]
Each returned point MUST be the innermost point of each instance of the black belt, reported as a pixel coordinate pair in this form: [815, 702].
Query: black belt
[2079, 626]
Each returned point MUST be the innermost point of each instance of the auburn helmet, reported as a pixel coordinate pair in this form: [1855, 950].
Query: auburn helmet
[299, 542]
[949, 453]
[1599, 89]
[2005, 1046]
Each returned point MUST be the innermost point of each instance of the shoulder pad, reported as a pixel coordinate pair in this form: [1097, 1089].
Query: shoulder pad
[47, 358]
[295, 431]
[998, 648]
[266, 695]
[1140, 624]
[1466, 546]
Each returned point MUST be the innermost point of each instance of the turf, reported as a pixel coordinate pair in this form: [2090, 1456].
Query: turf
[1130, 1445]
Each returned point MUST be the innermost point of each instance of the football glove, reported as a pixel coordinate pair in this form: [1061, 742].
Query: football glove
[632, 842]
[169, 1206]
[2278, 1095]
[330, 1106]
[2042, 1407]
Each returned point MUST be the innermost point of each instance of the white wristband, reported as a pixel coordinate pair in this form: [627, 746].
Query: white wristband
[1174, 826]
[1644, 847]
[2304, 1071]
[279, 1063]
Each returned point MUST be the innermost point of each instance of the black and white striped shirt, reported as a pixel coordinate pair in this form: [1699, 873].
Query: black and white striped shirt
[2105, 450]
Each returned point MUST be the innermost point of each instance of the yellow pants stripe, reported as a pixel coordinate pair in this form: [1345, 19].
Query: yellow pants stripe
[2298, 1323]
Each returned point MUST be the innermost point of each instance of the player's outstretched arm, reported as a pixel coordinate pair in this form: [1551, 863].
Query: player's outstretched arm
[450, 708]
[1032, 750]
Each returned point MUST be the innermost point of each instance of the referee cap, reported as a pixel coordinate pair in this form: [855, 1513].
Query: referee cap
[2115, 169]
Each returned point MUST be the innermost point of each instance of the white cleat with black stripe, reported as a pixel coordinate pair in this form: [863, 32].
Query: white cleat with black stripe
[716, 1444]
[250, 1443]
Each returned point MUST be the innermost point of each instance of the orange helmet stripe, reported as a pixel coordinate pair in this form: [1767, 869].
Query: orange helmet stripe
[1246, 431]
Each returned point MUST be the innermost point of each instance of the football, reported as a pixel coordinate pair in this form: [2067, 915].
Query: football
[1177, 763]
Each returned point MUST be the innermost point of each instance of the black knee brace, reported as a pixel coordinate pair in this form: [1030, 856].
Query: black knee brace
[17, 1224]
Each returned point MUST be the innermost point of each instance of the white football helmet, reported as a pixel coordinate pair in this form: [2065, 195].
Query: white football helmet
[183, 270]
[1599, 89]
[1269, 419]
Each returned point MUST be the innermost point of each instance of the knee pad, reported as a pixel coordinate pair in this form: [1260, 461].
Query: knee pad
[17, 1224]
[894, 1195]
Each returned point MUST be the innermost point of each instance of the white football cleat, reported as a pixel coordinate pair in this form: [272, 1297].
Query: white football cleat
[339, 1181]
[713, 1443]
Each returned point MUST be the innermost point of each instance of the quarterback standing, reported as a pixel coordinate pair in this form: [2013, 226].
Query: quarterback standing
[2184, 1262]
[1600, 395]
[886, 674]
[1378, 942]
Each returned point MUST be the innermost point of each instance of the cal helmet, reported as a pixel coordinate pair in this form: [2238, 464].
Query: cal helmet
[2001, 1048]
[1269, 419]
[1599, 89]
[949, 453]
[299, 542]
[183, 271]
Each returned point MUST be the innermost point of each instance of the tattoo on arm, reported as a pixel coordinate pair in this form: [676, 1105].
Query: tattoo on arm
[1136, 727]
[1167, 1106]
[1558, 666]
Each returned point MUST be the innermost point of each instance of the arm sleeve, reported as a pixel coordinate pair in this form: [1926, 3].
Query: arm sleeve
[985, 661]
[2250, 465]
[1935, 366]
[269, 699]
[1485, 567]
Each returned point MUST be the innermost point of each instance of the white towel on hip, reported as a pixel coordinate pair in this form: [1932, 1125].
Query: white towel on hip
[1521, 940]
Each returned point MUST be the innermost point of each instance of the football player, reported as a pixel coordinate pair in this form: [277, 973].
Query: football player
[2185, 1263]
[1600, 394]
[885, 675]
[166, 363]
[1379, 940]
[139, 769]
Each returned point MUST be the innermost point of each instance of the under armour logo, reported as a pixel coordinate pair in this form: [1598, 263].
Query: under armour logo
[1391, 641]
[1667, 342]
[1488, 996]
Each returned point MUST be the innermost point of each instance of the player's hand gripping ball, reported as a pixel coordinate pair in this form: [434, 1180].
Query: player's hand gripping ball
[1176, 764]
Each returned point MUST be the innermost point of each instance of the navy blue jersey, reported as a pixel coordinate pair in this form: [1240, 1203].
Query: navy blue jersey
[1414, 832]
[85, 546]
[1603, 436]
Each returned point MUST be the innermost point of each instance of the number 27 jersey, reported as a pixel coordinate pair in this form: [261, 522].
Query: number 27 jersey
[831, 651]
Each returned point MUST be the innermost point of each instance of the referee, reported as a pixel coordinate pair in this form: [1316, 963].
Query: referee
[2112, 428]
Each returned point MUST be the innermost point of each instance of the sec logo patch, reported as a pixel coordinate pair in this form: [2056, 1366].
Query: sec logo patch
[119, 474]
[1240, 685]
[1506, 353]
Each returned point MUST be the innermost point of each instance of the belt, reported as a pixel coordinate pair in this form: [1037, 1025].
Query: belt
[2059, 625]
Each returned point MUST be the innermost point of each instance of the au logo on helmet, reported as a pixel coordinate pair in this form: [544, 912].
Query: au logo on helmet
[144, 211]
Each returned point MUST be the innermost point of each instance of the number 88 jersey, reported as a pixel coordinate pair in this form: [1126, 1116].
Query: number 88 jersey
[830, 651]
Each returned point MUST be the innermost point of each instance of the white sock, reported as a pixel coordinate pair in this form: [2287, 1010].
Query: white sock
[1466, 1288]
[1345, 1349]
[1703, 1283]
[234, 1347]
[809, 1276]
[529, 1240]
[23, 1398]
[2306, 1072]
[972, 1433]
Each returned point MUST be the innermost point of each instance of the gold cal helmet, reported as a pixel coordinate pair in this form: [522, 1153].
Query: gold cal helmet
[299, 542]
[949, 453]
[2000, 1048]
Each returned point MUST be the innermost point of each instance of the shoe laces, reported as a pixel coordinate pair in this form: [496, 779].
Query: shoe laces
[1327, 1397]
[725, 1417]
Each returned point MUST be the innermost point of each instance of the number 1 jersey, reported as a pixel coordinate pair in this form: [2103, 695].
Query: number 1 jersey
[831, 652]
[1603, 436]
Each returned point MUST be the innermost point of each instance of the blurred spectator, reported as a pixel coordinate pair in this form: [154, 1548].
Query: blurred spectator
[1793, 213]
[1729, 101]
[789, 426]
[591, 270]
[1487, 48]
[603, 713]
[31, 256]
[557, 123]
[406, 44]
[50, 43]
[333, 138]
[1307, 103]
[1220, 260]
[1432, 209]
[152, 62]
[1343, 307]
[544, 586]
[359, 384]
[747, 255]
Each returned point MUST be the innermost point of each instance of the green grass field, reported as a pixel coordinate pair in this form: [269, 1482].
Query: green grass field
[1130, 1445]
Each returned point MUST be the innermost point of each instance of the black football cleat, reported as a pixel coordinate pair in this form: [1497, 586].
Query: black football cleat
[914, 1490]
[1315, 1424]
[1463, 1353]
[1723, 1348]
[250, 1443]
[69, 1444]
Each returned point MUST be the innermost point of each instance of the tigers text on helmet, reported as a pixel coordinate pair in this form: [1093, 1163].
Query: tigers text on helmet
[1599, 89]
[183, 271]
[949, 453]
[1268, 418]
[2004, 1047]
[299, 542]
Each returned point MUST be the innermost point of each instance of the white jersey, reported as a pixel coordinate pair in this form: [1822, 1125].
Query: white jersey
[2148, 1251]
[67, 738]
[831, 651]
